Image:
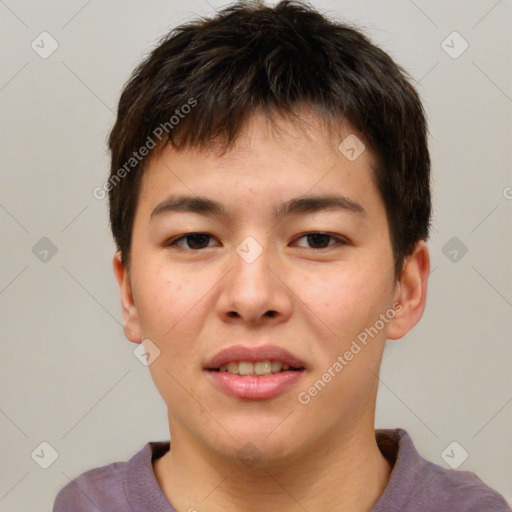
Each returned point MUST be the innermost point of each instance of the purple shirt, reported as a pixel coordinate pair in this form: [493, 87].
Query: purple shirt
[415, 484]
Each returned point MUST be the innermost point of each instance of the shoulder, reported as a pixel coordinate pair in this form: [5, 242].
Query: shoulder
[456, 490]
[420, 485]
[104, 488]
[116, 487]
[97, 489]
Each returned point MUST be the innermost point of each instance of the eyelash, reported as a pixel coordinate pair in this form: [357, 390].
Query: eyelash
[338, 241]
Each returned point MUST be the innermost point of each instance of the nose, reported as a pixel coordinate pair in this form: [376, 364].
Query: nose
[255, 291]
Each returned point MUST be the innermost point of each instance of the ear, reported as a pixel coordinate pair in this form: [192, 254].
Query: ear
[410, 292]
[132, 330]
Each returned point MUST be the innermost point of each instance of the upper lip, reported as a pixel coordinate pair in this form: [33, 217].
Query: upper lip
[253, 354]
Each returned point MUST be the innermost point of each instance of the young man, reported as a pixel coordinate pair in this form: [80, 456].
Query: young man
[270, 200]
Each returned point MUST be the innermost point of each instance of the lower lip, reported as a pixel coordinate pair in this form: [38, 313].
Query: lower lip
[261, 387]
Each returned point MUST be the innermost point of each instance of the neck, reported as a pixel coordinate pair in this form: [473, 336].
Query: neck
[343, 472]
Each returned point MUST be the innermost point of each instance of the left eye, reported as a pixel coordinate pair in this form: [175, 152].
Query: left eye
[321, 239]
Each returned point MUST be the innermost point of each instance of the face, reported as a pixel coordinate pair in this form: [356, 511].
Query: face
[310, 280]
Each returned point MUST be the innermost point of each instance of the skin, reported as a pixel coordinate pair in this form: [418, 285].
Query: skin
[191, 303]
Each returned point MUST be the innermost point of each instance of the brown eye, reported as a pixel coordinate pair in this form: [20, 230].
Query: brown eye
[321, 240]
[195, 241]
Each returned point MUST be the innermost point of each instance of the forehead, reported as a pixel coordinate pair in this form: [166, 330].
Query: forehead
[271, 159]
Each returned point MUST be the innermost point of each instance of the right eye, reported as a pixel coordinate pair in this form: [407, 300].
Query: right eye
[196, 241]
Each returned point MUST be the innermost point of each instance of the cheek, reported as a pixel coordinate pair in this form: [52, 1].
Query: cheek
[168, 310]
[344, 301]
[163, 301]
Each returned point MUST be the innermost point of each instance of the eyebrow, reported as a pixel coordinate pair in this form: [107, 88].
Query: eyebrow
[295, 206]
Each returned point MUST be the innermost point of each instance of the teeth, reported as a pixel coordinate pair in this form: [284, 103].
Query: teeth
[276, 366]
[232, 367]
[245, 368]
[262, 368]
[257, 368]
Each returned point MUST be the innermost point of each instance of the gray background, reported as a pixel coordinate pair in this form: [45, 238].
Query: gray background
[68, 376]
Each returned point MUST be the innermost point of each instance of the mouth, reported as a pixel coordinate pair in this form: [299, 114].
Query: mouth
[254, 373]
[257, 368]
[247, 360]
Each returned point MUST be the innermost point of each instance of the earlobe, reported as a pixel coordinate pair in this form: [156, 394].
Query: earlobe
[132, 330]
[411, 292]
